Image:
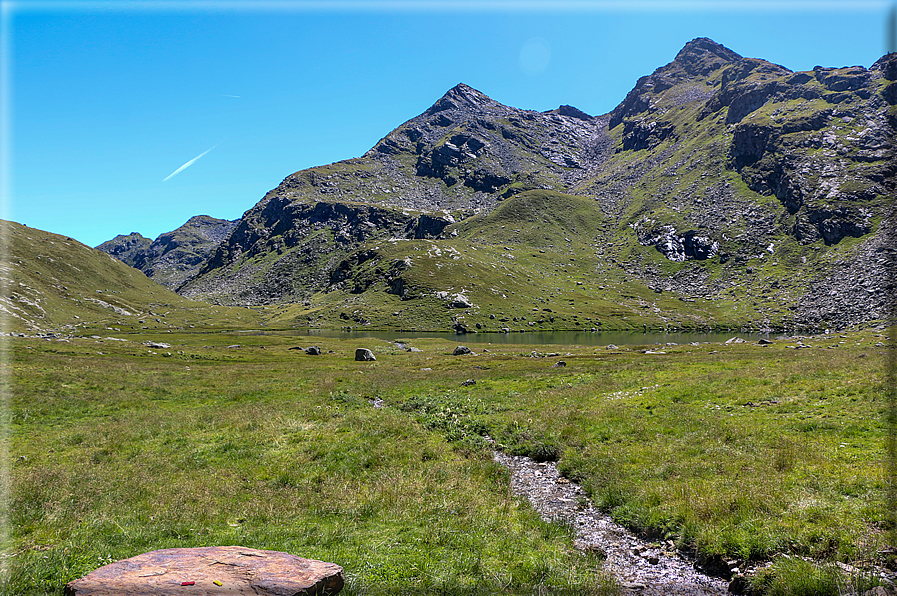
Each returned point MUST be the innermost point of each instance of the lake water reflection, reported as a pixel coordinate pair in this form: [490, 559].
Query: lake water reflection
[582, 338]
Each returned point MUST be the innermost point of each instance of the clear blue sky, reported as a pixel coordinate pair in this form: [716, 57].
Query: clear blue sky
[104, 101]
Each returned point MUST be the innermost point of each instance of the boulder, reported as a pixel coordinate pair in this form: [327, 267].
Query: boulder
[364, 355]
[459, 301]
[461, 351]
[460, 328]
[210, 570]
[157, 345]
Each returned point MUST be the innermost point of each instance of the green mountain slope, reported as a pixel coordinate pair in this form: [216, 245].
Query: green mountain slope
[528, 265]
[54, 283]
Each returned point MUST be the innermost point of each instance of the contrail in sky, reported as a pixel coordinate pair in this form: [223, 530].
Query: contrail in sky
[187, 165]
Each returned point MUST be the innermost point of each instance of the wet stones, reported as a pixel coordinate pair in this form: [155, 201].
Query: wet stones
[641, 567]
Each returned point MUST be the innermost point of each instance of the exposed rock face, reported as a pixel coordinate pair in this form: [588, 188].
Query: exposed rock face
[679, 247]
[211, 570]
[822, 162]
[173, 257]
[306, 245]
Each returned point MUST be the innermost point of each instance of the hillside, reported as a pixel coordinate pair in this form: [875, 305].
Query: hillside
[53, 283]
[723, 191]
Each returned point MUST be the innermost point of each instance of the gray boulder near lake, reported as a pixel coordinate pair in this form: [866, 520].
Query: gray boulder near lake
[364, 355]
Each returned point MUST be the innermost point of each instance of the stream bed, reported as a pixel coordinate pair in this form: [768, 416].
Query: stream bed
[641, 567]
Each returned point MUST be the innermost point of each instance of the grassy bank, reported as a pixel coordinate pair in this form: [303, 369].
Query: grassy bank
[733, 450]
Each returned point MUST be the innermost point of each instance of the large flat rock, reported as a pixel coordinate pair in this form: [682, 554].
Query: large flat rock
[212, 570]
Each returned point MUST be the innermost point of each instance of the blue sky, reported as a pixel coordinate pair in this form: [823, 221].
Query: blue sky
[104, 101]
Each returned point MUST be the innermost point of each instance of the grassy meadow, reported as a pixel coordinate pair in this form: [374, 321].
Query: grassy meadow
[736, 451]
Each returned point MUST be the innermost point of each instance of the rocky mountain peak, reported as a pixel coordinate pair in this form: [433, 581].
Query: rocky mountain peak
[201, 219]
[174, 256]
[571, 112]
[697, 60]
[461, 96]
[126, 248]
[702, 55]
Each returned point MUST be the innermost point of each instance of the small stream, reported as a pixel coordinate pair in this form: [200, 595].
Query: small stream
[640, 566]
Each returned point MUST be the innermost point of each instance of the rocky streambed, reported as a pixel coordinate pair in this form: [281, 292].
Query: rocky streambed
[641, 567]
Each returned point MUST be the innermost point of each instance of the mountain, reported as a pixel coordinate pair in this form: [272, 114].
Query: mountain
[53, 283]
[722, 191]
[130, 249]
[173, 257]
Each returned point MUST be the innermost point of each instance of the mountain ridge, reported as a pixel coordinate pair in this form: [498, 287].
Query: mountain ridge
[173, 257]
[726, 168]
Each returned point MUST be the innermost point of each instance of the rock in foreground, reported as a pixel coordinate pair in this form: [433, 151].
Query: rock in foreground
[210, 571]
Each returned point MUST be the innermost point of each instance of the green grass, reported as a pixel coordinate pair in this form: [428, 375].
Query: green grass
[791, 576]
[130, 451]
[739, 451]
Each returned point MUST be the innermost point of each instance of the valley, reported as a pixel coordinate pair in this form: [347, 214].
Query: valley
[195, 389]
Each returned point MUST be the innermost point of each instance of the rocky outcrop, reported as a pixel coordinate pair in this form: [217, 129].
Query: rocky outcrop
[211, 570]
[747, 85]
[316, 246]
[679, 247]
[826, 165]
[638, 135]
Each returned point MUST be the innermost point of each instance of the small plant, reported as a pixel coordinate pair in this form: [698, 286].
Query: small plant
[794, 576]
[455, 415]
